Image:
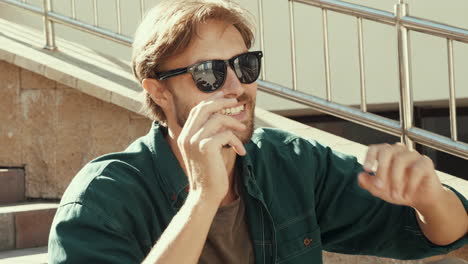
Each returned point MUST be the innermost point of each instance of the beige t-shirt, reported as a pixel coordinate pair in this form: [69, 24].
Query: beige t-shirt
[228, 240]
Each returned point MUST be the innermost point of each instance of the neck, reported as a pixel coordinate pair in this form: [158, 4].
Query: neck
[229, 157]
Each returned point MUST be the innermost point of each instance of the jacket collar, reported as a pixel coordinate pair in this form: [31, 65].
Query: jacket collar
[166, 165]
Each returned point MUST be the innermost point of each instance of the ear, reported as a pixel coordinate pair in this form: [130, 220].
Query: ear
[157, 91]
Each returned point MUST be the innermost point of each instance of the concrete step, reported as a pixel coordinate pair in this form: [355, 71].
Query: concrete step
[24, 256]
[26, 225]
[12, 185]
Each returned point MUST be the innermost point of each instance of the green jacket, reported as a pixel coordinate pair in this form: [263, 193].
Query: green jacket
[301, 198]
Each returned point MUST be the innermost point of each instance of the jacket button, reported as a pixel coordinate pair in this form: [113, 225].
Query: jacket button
[307, 241]
[173, 197]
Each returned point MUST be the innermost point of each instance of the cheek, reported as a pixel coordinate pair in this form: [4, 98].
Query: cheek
[179, 87]
[185, 100]
[252, 87]
[251, 90]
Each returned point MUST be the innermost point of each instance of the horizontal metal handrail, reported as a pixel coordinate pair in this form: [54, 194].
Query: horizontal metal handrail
[439, 142]
[353, 10]
[377, 122]
[97, 31]
[25, 6]
[435, 28]
[385, 17]
[345, 112]
[76, 24]
[403, 23]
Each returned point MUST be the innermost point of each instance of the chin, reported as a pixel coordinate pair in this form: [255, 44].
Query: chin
[246, 135]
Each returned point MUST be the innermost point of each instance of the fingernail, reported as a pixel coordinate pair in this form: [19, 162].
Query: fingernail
[367, 166]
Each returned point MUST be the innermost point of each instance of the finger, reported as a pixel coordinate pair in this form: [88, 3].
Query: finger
[237, 145]
[415, 173]
[216, 142]
[398, 176]
[384, 156]
[371, 156]
[228, 138]
[194, 112]
[368, 182]
[216, 123]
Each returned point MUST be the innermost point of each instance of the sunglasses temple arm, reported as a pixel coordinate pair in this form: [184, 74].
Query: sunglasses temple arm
[172, 73]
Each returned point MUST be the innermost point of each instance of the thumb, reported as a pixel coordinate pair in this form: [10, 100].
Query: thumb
[367, 182]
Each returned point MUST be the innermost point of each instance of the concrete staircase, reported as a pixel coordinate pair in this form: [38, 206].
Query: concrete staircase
[24, 224]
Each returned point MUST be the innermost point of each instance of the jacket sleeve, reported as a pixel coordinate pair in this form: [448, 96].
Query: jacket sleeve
[80, 234]
[353, 221]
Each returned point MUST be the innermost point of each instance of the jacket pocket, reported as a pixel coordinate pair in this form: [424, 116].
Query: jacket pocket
[304, 247]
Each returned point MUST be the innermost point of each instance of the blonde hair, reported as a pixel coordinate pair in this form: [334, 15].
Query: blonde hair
[167, 30]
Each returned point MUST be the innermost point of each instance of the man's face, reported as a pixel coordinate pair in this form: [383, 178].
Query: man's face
[215, 40]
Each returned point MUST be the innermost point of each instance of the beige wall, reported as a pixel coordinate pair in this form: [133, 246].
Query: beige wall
[54, 130]
[381, 66]
[430, 77]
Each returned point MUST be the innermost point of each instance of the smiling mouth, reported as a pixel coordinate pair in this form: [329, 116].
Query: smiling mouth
[233, 110]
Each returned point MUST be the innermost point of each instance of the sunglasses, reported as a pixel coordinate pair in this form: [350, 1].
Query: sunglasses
[210, 75]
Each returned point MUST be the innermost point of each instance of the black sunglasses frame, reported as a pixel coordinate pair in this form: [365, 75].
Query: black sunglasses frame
[190, 69]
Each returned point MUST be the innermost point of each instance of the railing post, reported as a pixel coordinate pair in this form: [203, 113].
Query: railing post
[326, 53]
[452, 97]
[73, 9]
[292, 36]
[362, 72]
[406, 94]
[96, 13]
[142, 9]
[119, 14]
[262, 36]
[49, 31]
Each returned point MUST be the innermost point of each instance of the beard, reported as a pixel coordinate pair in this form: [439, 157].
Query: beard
[183, 111]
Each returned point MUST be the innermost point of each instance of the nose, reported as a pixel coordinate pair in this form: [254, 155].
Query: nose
[232, 87]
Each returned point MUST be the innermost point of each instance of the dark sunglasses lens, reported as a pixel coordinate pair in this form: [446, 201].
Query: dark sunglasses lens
[209, 76]
[247, 67]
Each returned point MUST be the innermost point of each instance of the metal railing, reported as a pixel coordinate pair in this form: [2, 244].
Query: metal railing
[50, 18]
[404, 23]
[400, 19]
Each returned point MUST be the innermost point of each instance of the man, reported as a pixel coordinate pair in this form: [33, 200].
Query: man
[201, 187]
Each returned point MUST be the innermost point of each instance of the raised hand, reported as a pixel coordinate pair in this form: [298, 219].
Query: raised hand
[403, 176]
[201, 142]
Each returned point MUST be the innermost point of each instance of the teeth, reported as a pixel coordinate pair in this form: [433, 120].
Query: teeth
[232, 111]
